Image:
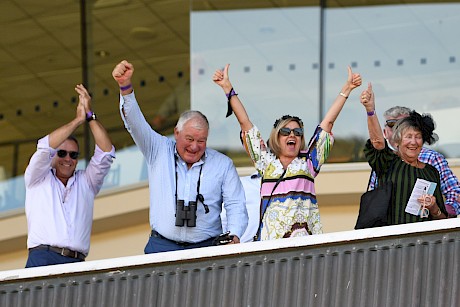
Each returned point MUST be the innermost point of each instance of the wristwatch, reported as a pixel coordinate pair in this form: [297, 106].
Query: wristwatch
[90, 116]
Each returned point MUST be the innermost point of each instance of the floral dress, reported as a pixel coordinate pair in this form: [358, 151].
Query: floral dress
[288, 198]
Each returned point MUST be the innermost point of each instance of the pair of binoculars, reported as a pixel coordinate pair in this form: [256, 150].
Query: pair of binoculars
[185, 213]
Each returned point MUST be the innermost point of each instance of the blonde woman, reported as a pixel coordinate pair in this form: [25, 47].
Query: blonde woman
[288, 167]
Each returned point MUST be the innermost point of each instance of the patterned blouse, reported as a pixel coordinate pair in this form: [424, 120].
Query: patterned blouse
[288, 198]
[403, 176]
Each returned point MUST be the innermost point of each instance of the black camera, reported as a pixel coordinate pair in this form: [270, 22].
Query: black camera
[185, 213]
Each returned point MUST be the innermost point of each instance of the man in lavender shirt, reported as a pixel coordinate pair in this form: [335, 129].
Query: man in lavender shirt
[59, 200]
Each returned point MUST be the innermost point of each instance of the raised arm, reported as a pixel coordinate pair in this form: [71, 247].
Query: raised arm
[220, 77]
[353, 81]
[122, 73]
[101, 137]
[375, 132]
[62, 133]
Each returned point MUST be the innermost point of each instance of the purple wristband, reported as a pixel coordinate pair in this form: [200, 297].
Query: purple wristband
[127, 87]
[371, 113]
[89, 114]
[232, 93]
[229, 106]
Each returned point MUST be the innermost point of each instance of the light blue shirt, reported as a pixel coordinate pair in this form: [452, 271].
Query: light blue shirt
[251, 185]
[219, 183]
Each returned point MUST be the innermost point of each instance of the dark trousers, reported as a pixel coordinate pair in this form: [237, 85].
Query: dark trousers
[157, 244]
[42, 257]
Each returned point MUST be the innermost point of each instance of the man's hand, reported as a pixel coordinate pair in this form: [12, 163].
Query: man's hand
[226, 238]
[123, 72]
[81, 114]
[84, 97]
[235, 240]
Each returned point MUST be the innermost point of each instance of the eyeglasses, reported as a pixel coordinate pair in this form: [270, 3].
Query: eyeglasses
[286, 131]
[391, 122]
[424, 212]
[72, 154]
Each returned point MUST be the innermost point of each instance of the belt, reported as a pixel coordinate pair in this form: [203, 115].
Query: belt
[155, 233]
[60, 250]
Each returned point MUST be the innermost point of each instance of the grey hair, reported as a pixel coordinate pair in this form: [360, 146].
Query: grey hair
[399, 129]
[199, 120]
[396, 111]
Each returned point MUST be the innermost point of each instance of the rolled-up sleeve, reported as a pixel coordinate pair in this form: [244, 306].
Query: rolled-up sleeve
[98, 168]
[40, 162]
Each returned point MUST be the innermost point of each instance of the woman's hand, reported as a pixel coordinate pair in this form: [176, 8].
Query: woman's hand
[354, 80]
[221, 78]
[429, 202]
[367, 98]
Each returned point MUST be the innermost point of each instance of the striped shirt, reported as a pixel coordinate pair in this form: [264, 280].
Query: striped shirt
[450, 187]
[289, 207]
[403, 176]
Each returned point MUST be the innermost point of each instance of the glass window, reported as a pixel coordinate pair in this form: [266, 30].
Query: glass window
[274, 58]
[406, 51]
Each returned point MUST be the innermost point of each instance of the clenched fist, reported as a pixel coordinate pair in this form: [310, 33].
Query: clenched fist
[122, 73]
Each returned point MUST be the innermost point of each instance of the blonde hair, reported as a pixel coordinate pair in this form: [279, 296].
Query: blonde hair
[273, 140]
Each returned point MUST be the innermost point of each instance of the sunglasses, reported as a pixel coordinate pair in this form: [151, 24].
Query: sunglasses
[391, 122]
[72, 154]
[284, 117]
[286, 131]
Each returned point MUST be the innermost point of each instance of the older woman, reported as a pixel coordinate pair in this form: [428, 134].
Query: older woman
[403, 168]
[288, 168]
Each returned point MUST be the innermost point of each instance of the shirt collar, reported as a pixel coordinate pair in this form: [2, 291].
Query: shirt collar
[199, 162]
[69, 182]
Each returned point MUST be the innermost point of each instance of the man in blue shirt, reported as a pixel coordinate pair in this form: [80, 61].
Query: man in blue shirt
[251, 185]
[188, 181]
